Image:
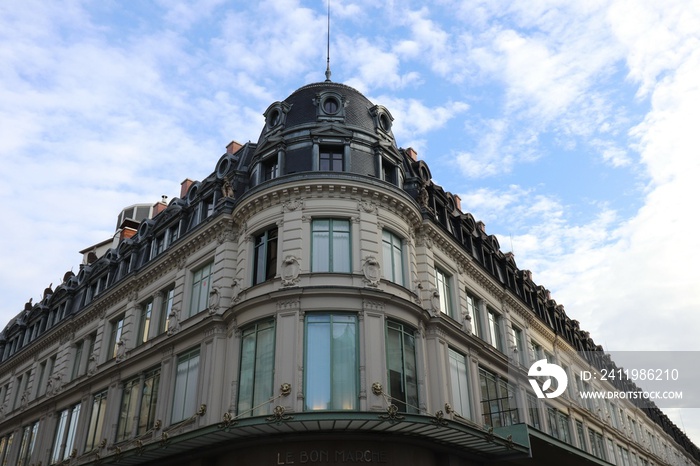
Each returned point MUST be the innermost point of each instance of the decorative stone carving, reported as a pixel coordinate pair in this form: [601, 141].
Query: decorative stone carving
[367, 206]
[181, 262]
[235, 290]
[417, 290]
[467, 322]
[227, 189]
[435, 301]
[290, 271]
[92, 364]
[293, 205]
[371, 271]
[24, 400]
[423, 197]
[121, 351]
[214, 300]
[53, 386]
[225, 235]
[173, 322]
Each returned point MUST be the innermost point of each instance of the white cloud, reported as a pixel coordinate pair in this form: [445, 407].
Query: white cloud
[413, 118]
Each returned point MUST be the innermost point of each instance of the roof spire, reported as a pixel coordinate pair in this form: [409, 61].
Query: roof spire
[328, 45]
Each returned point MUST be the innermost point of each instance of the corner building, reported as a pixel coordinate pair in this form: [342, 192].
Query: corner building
[317, 299]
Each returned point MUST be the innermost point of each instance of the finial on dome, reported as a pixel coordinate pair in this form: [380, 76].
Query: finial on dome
[328, 45]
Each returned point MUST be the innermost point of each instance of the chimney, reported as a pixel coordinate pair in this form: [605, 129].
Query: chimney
[184, 187]
[233, 147]
[127, 233]
[481, 226]
[412, 153]
[458, 202]
[159, 207]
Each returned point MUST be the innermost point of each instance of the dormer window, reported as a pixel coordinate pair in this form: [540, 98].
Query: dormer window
[330, 106]
[275, 115]
[382, 120]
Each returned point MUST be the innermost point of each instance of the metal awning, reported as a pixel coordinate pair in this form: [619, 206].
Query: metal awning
[449, 435]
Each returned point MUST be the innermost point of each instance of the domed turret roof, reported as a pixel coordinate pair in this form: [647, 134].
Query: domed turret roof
[324, 103]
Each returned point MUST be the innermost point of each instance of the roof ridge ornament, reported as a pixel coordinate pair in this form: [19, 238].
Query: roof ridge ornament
[328, 44]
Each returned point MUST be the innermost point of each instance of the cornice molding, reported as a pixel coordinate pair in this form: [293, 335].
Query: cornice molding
[290, 196]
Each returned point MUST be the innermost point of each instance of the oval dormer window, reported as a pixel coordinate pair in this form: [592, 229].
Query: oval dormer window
[385, 122]
[331, 105]
[274, 118]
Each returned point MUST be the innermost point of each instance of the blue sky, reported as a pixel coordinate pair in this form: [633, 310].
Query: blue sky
[569, 128]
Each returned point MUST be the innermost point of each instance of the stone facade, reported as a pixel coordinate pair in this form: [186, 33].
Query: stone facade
[316, 299]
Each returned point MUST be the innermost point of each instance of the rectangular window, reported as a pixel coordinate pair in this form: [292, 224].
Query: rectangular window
[75, 373]
[497, 401]
[173, 234]
[495, 330]
[533, 412]
[624, 455]
[401, 365]
[144, 322]
[581, 436]
[552, 422]
[330, 245]
[612, 414]
[138, 405]
[257, 369]
[473, 309]
[64, 440]
[117, 327]
[442, 282]
[271, 168]
[149, 401]
[166, 308]
[185, 398]
[518, 345]
[459, 381]
[331, 368]
[330, 159]
[265, 259]
[6, 449]
[564, 429]
[158, 245]
[559, 425]
[97, 419]
[633, 428]
[26, 446]
[597, 444]
[536, 352]
[392, 254]
[127, 410]
[201, 283]
[611, 451]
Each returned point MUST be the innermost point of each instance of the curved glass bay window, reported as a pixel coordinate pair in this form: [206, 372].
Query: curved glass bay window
[257, 366]
[393, 257]
[331, 362]
[330, 245]
[265, 260]
[401, 364]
